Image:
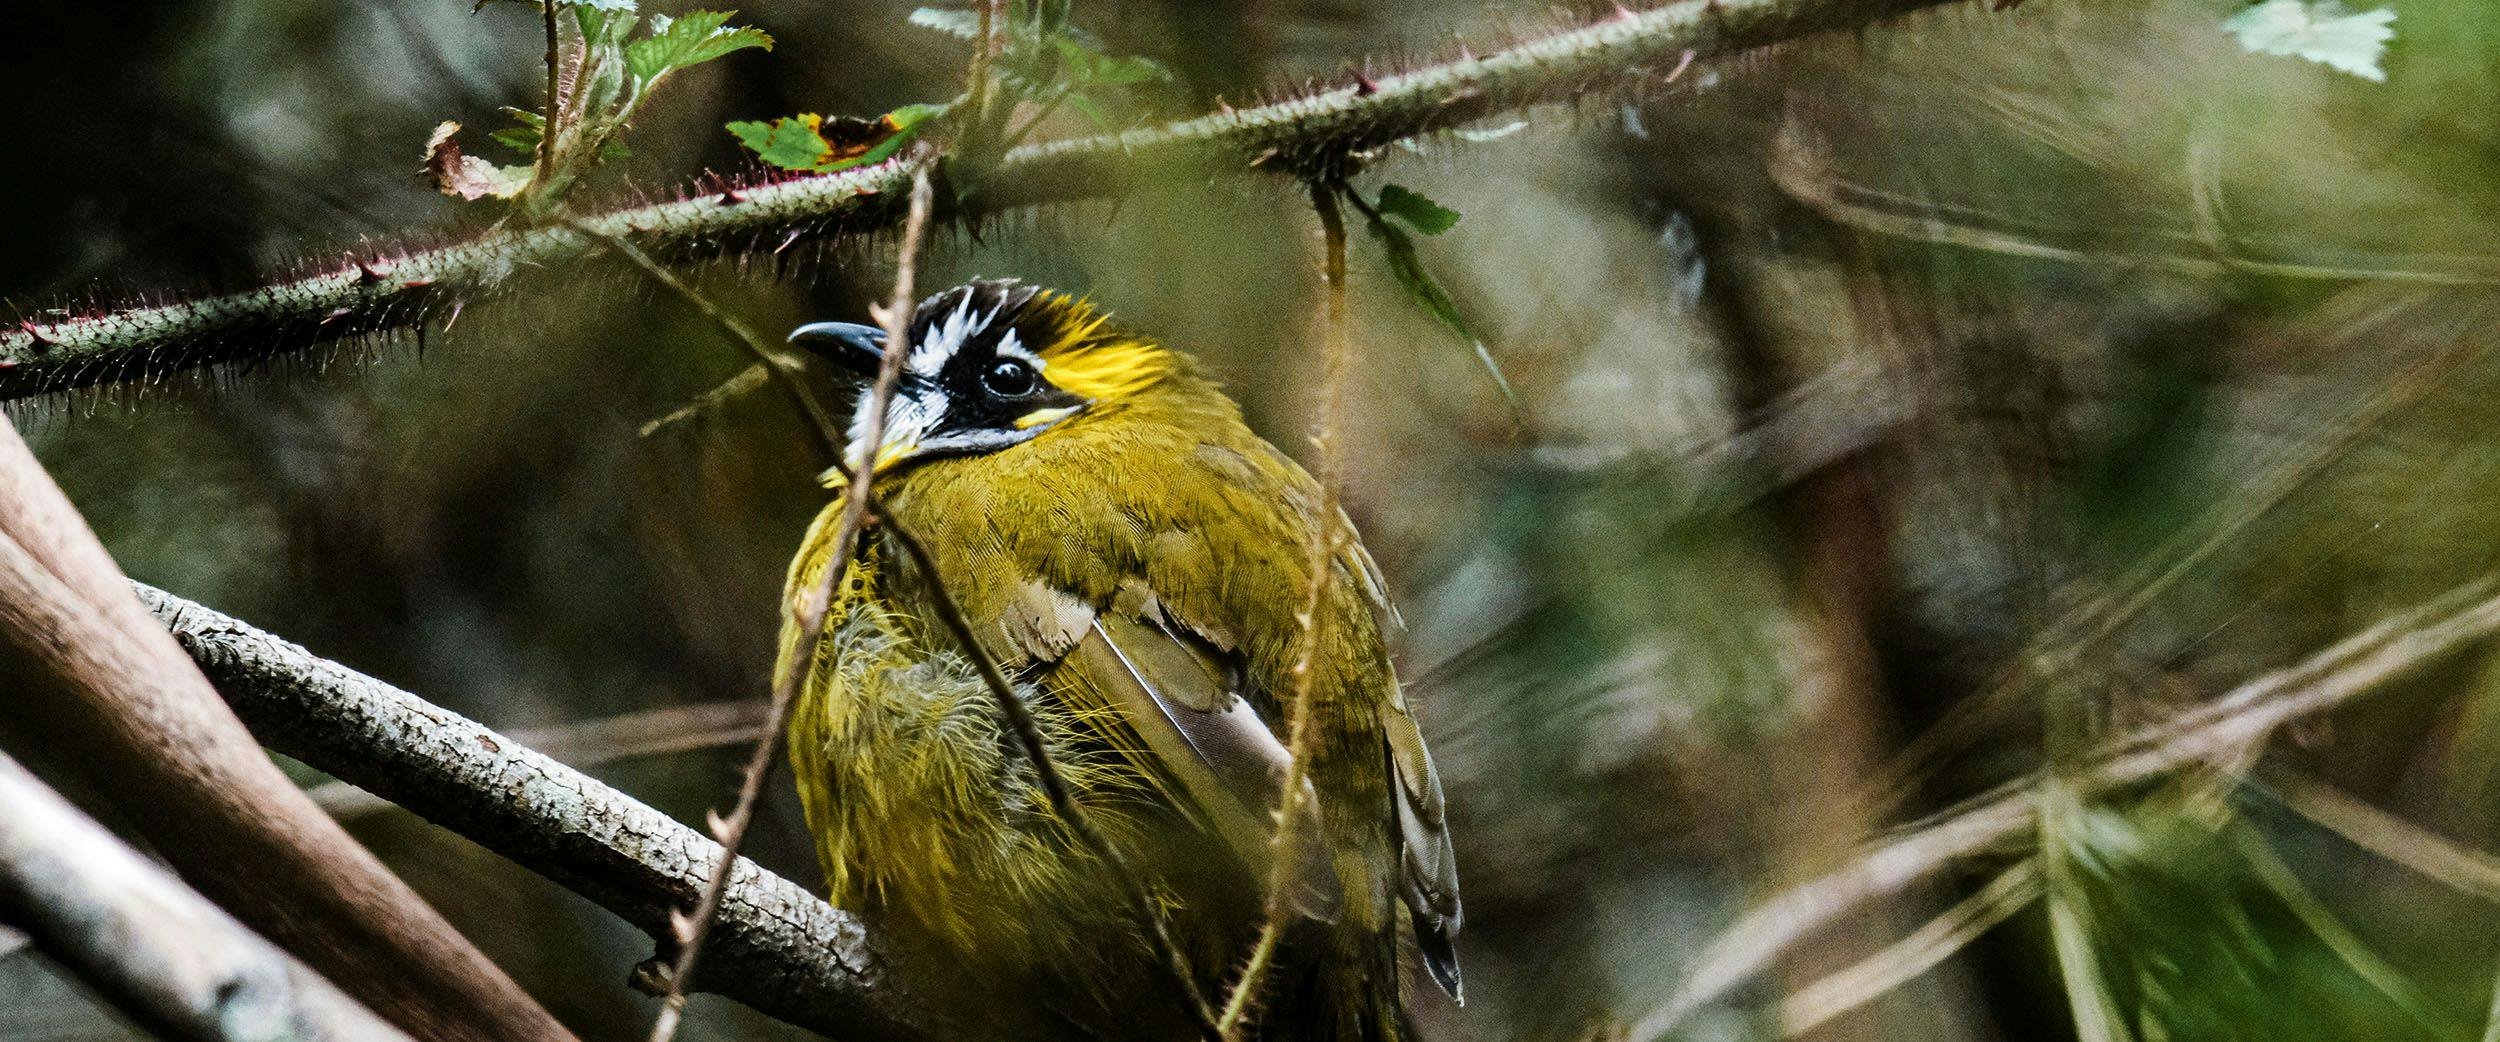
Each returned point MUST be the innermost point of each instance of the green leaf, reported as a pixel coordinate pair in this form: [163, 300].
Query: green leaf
[906, 123]
[793, 143]
[1092, 111]
[1417, 210]
[695, 38]
[963, 25]
[523, 138]
[1089, 67]
[604, 26]
[1427, 293]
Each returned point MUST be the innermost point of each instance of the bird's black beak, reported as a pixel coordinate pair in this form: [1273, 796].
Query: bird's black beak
[857, 349]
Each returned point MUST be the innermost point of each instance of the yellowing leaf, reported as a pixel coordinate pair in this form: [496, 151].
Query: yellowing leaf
[468, 176]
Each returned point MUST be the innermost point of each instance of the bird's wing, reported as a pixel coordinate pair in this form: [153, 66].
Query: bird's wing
[1430, 874]
[1190, 720]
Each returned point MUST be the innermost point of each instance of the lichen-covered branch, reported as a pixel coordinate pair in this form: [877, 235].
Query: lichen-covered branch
[397, 288]
[153, 948]
[775, 946]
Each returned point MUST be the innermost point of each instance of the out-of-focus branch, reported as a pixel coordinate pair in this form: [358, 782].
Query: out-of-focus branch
[402, 285]
[154, 948]
[775, 946]
[589, 743]
[2238, 721]
[98, 688]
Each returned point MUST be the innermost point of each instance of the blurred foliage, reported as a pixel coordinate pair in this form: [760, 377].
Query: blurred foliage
[1844, 374]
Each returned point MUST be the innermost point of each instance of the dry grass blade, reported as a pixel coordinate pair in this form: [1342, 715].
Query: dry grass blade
[1291, 801]
[1904, 960]
[810, 612]
[2425, 852]
[1998, 820]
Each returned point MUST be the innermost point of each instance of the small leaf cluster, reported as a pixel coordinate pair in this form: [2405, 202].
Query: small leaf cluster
[1038, 58]
[618, 61]
[1389, 217]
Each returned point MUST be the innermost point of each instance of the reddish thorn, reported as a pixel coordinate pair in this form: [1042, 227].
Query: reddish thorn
[372, 272]
[867, 190]
[8, 363]
[336, 314]
[1687, 63]
[35, 339]
[788, 241]
[1363, 86]
[416, 283]
[730, 198]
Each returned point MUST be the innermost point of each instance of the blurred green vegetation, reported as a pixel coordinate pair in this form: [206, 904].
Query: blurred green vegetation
[1852, 373]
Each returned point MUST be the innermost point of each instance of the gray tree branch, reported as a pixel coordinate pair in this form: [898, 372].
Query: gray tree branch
[98, 691]
[397, 287]
[775, 946]
[154, 948]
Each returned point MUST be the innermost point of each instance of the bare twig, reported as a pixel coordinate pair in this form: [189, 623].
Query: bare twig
[1998, 821]
[2435, 857]
[775, 947]
[97, 688]
[154, 948]
[546, 167]
[1616, 53]
[1291, 800]
[774, 361]
[810, 611]
[1054, 786]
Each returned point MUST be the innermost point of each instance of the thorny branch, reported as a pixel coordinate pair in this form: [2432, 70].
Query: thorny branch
[2218, 731]
[1291, 802]
[1054, 786]
[812, 608]
[403, 286]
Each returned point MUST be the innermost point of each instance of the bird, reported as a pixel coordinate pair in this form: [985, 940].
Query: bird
[1137, 561]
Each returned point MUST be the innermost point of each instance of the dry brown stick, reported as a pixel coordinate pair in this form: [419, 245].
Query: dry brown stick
[1291, 800]
[2244, 716]
[809, 613]
[1054, 786]
[152, 947]
[101, 689]
[776, 947]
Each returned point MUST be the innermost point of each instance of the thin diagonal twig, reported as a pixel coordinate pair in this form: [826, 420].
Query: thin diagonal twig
[810, 612]
[1902, 961]
[1283, 852]
[1046, 771]
[772, 361]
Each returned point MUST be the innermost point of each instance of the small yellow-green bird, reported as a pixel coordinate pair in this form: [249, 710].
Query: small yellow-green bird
[1136, 560]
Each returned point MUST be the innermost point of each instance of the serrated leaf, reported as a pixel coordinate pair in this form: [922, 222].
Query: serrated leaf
[816, 144]
[964, 25]
[1416, 209]
[898, 127]
[1426, 292]
[791, 143]
[604, 27]
[2322, 31]
[691, 39]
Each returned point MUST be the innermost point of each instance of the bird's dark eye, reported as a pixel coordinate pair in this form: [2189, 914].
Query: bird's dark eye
[1010, 378]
